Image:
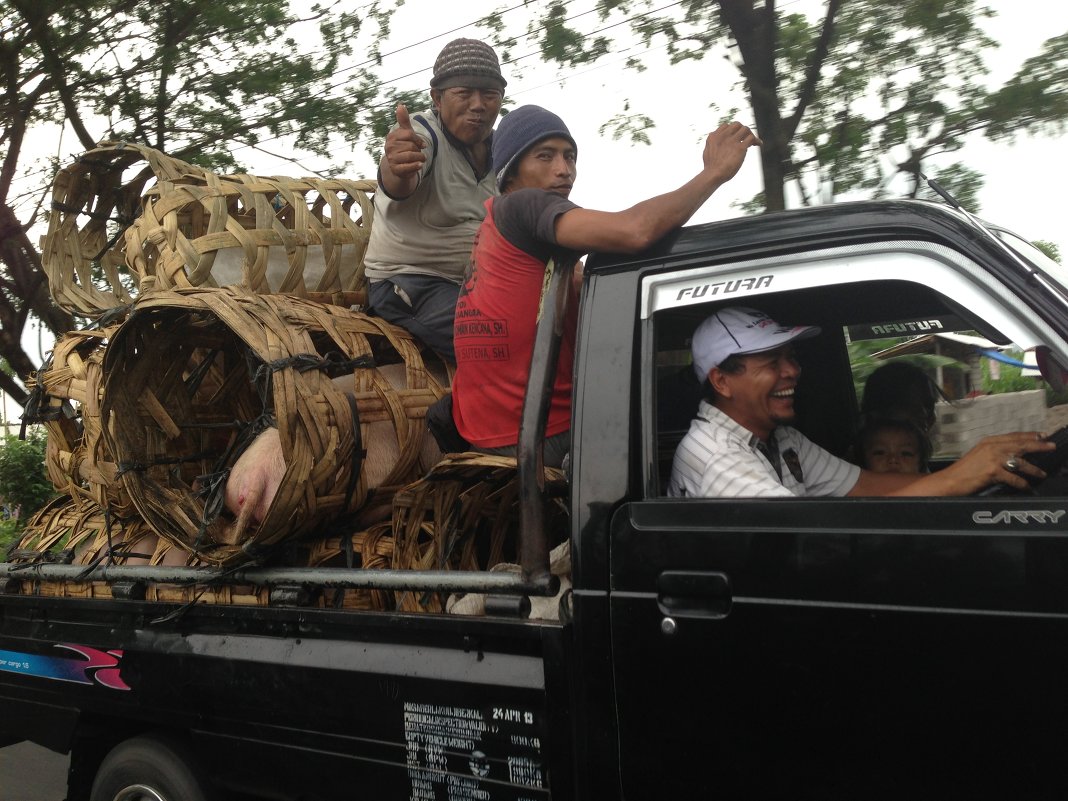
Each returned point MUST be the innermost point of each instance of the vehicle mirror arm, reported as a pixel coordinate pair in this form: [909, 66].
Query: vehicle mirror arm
[943, 193]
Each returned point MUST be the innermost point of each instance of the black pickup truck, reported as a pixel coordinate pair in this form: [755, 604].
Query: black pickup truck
[742, 648]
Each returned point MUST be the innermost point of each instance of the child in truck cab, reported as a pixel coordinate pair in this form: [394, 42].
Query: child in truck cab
[889, 445]
[532, 222]
[741, 443]
[898, 413]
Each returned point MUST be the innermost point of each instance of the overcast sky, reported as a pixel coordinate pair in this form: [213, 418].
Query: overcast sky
[1024, 182]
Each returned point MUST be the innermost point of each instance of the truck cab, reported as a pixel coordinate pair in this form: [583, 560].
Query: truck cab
[819, 647]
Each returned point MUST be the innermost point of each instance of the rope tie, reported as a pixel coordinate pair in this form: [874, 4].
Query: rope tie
[333, 364]
[140, 467]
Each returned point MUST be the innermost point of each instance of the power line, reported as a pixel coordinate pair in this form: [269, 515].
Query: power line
[422, 42]
[379, 85]
[396, 79]
[393, 81]
[382, 84]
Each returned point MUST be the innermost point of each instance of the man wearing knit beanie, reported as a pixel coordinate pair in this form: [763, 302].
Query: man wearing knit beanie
[530, 225]
[434, 178]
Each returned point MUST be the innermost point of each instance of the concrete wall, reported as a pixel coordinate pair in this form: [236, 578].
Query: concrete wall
[963, 423]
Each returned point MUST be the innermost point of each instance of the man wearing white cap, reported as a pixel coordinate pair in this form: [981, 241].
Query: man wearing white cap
[740, 443]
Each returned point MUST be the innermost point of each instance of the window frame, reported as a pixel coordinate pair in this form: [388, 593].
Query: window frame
[959, 282]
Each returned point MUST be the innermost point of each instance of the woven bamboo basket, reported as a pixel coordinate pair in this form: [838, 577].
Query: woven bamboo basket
[53, 532]
[370, 550]
[77, 531]
[169, 554]
[71, 530]
[464, 515]
[66, 394]
[193, 375]
[127, 217]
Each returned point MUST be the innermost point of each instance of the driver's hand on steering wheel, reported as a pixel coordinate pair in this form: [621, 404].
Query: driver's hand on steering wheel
[999, 459]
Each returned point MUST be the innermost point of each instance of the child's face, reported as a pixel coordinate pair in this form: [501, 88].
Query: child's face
[892, 451]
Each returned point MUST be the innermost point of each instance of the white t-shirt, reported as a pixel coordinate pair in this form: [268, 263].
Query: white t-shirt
[719, 458]
[430, 232]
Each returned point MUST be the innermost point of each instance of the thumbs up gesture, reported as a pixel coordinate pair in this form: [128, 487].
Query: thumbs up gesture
[403, 120]
[404, 148]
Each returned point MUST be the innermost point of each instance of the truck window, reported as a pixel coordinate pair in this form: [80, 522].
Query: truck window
[912, 303]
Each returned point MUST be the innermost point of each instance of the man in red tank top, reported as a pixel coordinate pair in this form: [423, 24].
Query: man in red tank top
[535, 158]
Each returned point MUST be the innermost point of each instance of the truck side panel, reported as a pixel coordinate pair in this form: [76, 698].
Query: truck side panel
[291, 704]
[810, 647]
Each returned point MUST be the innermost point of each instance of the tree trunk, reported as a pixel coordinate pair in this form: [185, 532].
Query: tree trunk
[24, 290]
[754, 32]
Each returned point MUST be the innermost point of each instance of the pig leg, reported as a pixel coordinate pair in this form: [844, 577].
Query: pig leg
[254, 481]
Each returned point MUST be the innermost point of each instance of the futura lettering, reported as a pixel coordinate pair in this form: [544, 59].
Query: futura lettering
[728, 287]
[890, 329]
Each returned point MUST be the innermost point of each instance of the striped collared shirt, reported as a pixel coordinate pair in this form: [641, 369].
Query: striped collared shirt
[719, 458]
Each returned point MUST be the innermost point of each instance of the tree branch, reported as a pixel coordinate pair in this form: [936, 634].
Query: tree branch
[25, 270]
[12, 388]
[807, 90]
[39, 32]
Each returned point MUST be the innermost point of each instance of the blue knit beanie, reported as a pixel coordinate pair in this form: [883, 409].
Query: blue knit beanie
[518, 131]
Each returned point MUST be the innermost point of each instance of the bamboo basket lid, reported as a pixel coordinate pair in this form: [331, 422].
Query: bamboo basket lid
[75, 530]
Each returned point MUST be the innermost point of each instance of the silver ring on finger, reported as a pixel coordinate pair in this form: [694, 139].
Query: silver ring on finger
[1012, 464]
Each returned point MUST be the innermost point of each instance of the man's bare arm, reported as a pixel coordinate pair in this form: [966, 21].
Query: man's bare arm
[641, 225]
[980, 467]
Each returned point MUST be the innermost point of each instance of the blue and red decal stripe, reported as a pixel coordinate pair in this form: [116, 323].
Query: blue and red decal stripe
[95, 666]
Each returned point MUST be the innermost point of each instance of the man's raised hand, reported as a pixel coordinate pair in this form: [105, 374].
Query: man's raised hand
[725, 149]
[404, 148]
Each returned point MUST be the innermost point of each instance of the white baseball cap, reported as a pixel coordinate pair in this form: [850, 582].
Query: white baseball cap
[740, 331]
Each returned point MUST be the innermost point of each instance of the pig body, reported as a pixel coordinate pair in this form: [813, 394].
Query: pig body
[381, 438]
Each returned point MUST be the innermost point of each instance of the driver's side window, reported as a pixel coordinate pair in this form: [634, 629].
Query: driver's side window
[980, 383]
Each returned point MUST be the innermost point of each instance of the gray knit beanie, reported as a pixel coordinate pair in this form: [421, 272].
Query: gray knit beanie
[518, 131]
[470, 63]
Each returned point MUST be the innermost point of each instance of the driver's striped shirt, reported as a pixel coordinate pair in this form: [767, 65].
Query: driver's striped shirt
[719, 458]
